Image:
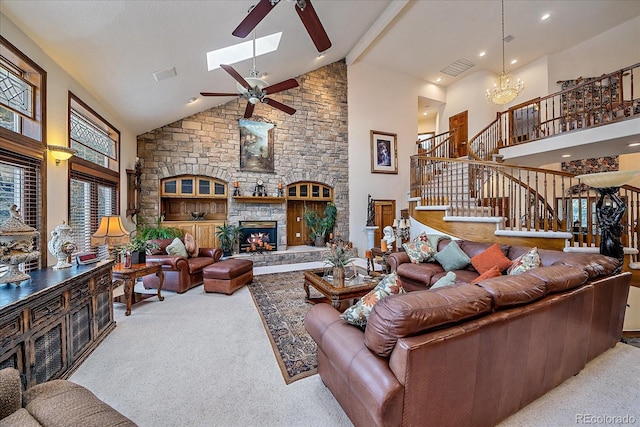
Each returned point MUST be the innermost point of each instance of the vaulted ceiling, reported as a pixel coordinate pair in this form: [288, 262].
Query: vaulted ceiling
[113, 47]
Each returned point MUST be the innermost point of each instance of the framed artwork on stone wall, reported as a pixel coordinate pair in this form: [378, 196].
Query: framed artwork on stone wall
[384, 153]
[256, 146]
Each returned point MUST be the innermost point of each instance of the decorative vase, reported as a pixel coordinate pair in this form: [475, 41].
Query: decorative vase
[61, 241]
[338, 277]
[17, 246]
[320, 241]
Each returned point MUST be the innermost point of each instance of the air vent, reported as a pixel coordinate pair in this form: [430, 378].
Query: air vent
[508, 38]
[457, 68]
[165, 74]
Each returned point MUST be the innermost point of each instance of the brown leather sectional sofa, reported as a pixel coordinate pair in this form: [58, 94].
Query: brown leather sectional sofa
[180, 273]
[471, 354]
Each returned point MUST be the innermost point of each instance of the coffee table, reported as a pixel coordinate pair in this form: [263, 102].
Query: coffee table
[131, 274]
[338, 296]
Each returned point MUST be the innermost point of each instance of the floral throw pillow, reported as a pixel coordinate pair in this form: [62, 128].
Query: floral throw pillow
[525, 262]
[358, 314]
[419, 251]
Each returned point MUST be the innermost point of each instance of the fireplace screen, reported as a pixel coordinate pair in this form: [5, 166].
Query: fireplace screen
[259, 234]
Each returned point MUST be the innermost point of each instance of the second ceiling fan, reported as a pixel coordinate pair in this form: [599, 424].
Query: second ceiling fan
[256, 90]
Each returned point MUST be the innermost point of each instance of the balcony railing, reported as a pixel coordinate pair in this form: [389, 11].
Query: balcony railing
[593, 102]
[438, 146]
[520, 199]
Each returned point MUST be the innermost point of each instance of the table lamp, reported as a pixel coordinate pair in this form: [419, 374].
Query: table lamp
[111, 232]
[610, 215]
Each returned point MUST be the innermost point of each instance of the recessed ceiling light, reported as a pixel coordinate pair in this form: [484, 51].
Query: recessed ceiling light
[192, 100]
[439, 79]
[634, 144]
[241, 51]
[514, 61]
[424, 114]
[566, 155]
[483, 53]
[545, 16]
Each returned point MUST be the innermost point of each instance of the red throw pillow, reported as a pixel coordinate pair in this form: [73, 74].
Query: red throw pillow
[492, 272]
[490, 257]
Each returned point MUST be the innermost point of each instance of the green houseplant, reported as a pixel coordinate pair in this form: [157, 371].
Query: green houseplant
[146, 231]
[320, 225]
[228, 237]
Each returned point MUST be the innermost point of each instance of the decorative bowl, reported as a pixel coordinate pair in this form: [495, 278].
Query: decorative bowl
[607, 179]
[198, 215]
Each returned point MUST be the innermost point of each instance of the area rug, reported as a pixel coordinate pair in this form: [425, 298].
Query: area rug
[280, 301]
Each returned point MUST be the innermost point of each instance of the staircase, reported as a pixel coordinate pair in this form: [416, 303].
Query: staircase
[482, 199]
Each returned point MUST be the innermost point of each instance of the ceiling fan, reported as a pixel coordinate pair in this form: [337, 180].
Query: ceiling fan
[254, 89]
[307, 15]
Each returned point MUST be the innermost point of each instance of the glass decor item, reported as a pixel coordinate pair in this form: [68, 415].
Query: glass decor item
[17, 246]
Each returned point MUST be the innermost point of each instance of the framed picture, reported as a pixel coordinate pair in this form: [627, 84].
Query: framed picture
[384, 155]
[256, 146]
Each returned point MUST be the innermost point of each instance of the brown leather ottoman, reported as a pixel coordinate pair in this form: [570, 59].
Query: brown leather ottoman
[227, 276]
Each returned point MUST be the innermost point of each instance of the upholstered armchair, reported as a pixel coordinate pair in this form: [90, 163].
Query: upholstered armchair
[181, 273]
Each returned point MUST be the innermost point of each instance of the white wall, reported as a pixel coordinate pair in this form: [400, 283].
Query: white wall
[59, 83]
[392, 107]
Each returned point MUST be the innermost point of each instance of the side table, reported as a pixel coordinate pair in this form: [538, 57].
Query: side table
[130, 275]
[377, 252]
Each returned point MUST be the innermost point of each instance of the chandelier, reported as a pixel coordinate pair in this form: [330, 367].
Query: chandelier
[506, 88]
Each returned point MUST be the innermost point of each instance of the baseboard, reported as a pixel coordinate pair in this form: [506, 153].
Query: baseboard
[631, 334]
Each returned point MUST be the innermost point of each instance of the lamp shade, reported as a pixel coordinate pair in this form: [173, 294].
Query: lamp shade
[111, 232]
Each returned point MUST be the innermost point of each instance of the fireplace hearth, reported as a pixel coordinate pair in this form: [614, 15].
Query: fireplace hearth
[254, 231]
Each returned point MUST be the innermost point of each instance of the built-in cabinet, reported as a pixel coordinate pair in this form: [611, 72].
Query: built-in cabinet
[50, 324]
[203, 231]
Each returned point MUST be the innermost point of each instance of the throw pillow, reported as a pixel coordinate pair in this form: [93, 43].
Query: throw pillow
[446, 280]
[490, 257]
[358, 314]
[492, 272]
[418, 251]
[452, 257]
[191, 245]
[177, 248]
[524, 262]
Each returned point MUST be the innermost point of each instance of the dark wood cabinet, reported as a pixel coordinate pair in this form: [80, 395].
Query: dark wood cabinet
[51, 323]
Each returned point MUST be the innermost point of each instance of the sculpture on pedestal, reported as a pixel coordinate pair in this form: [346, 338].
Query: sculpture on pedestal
[371, 213]
[610, 219]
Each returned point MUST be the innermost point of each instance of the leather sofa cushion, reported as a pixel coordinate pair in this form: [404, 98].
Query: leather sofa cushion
[161, 248]
[508, 291]
[405, 315]
[559, 278]
[422, 272]
[594, 264]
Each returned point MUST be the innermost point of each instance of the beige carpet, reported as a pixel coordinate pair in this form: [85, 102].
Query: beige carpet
[202, 359]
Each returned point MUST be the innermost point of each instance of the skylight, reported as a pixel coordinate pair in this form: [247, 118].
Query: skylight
[241, 51]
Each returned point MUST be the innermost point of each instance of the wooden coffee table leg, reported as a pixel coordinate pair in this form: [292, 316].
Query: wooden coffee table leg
[128, 294]
[336, 303]
[306, 290]
[160, 275]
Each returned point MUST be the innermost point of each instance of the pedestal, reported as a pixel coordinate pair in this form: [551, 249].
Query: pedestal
[371, 232]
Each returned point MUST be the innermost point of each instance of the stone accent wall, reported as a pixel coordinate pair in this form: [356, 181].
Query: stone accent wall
[311, 145]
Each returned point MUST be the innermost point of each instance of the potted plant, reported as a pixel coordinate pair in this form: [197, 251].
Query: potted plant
[228, 236]
[146, 231]
[338, 257]
[139, 248]
[320, 225]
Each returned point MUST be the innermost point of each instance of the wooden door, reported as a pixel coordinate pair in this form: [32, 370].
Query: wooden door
[385, 211]
[296, 230]
[460, 124]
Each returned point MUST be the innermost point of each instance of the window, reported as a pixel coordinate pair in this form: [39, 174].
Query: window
[93, 137]
[22, 96]
[20, 186]
[91, 198]
[95, 173]
[22, 124]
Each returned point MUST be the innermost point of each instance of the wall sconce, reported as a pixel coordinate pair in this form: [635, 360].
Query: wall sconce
[61, 153]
